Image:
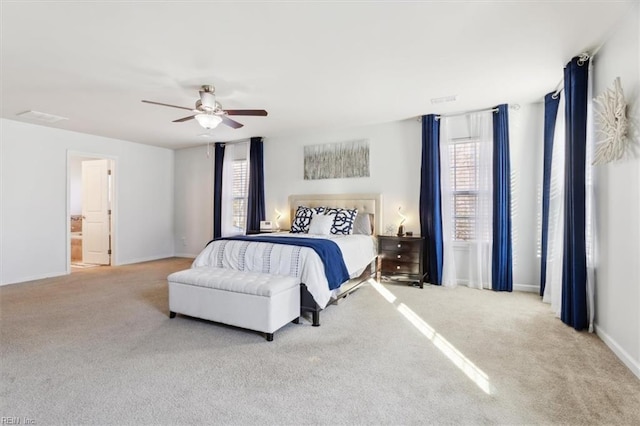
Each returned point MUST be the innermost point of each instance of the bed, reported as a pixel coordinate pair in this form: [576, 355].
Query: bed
[257, 253]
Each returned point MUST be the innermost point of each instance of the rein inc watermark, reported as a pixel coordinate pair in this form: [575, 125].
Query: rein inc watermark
[17, 420]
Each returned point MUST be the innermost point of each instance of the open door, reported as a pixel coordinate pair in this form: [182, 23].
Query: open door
[96, 212]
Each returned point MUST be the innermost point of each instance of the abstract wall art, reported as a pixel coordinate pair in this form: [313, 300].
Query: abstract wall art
[613, 125]
[337, 160]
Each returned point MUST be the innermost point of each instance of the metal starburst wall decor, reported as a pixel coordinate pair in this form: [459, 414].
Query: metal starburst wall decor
[613, 125]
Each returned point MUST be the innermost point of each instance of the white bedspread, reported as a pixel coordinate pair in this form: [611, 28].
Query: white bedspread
[301, 262]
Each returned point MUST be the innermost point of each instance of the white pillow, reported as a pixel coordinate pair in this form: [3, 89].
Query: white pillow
[320, 224]
[362, 224]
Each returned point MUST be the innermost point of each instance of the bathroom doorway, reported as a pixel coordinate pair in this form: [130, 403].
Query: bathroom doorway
[91, 202]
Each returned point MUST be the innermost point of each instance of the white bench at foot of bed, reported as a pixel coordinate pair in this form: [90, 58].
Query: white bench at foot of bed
[252, 300]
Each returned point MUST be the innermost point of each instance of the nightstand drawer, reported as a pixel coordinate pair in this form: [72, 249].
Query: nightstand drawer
[401, 256]
[403, 246]
[390, 266]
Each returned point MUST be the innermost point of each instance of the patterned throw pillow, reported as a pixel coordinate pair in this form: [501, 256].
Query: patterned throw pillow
[302, 219]
[342, 220]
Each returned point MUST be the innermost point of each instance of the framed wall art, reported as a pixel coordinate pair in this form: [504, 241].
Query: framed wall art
[337, 160]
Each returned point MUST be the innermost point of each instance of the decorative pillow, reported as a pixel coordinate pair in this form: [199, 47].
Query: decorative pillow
[320, 224]
[302, 219]
[362, 224]
[342, 220]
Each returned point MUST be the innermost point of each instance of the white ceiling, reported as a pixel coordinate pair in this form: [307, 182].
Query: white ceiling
[311, 65]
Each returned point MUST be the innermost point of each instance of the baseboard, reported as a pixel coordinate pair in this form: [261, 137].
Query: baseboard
[516, 287]
[188, 255]
[527, 288]
[626, 359]
[144, 259]
[127, 262]
[36, 277]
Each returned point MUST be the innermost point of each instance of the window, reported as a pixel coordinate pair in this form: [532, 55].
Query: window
[235, 188]
[464, 158]
[240, 192]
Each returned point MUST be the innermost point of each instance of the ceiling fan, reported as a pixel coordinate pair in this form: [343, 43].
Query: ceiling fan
[209, 113]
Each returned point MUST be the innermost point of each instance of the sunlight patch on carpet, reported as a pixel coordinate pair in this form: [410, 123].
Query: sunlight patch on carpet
[390, 297]
[479, 377]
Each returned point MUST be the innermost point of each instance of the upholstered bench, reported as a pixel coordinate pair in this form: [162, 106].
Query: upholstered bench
[252, 300]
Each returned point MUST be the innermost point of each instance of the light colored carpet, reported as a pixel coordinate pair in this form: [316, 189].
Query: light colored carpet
[97, 347]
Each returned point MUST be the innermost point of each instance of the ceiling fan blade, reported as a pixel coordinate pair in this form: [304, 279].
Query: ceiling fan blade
[172, 106]
[259, 112]
[231, 123]
[180, 120]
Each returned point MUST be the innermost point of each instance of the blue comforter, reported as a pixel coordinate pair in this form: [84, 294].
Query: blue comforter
[327, 250]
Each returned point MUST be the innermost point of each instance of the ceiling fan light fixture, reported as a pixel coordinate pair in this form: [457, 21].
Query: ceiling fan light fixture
[208, 121]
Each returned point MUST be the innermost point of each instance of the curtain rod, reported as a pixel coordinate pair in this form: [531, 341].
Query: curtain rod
[223, 144]
[583, 57]
[233, 142]
[465, 112]
[514, 107]
[559, 89]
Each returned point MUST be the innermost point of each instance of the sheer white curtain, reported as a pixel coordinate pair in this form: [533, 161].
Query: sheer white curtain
[480, 248]
[590, 221]
[553, 286]
[233, 152]
[449, 277]
[477, 161]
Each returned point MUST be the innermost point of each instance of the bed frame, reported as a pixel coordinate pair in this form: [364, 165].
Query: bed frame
[365, 203]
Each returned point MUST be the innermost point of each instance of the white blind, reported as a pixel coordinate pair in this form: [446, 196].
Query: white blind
[240, 192]
[464, 184]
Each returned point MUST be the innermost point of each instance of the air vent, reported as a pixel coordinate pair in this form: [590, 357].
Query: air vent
[444, 99]
[41, 116]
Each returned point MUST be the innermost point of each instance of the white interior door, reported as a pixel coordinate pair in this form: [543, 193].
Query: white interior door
[95, 212]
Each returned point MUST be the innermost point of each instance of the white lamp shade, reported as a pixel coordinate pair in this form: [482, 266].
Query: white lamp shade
[208, 121]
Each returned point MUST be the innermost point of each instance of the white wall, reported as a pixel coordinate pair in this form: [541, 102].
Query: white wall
[395, 158]
[526, 150]
[33, 196]
[618, 205]
[526, 145]
[193, 200]
[394, 155]
[395, 167]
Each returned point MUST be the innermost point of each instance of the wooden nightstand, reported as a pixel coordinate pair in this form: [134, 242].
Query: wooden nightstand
[401, 256]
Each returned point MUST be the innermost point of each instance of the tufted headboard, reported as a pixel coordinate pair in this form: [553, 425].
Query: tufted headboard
[367, 203]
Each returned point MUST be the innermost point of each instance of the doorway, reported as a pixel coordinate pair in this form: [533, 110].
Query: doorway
[90, 210]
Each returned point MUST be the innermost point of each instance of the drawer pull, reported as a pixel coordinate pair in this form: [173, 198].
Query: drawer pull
[399, 245]
[397, 267]
[399, 256]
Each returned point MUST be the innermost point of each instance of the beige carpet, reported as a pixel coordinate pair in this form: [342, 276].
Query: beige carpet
[97, 347]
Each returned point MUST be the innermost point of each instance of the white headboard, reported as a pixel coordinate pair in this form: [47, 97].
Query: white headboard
[367, 203]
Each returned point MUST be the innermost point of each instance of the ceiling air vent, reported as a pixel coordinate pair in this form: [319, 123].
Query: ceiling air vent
[41, 116]
[444, 99]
